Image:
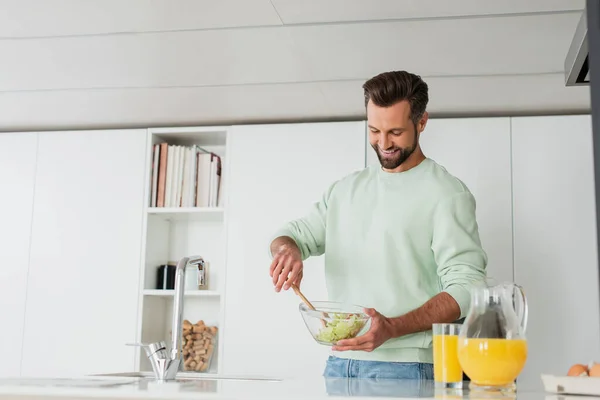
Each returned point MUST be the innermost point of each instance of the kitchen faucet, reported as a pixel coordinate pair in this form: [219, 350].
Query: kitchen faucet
[167, 366]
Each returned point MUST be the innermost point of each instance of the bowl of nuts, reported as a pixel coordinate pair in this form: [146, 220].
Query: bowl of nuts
[199, 345]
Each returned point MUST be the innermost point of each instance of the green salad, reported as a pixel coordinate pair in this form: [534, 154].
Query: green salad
[341, 327]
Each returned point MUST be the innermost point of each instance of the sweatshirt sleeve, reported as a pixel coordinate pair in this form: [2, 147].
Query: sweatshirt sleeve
[308, 231]
[460, 258]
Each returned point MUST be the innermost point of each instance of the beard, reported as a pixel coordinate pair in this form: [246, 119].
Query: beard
[399, 157]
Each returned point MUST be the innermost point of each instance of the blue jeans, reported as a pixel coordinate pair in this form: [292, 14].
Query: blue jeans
[344, 368]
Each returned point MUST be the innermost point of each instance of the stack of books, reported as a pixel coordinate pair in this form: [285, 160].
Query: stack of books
[184, 176]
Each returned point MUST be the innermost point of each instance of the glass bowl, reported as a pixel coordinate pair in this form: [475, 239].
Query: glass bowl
[332, 321]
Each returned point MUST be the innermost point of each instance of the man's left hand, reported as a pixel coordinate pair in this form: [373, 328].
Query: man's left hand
[379, 332]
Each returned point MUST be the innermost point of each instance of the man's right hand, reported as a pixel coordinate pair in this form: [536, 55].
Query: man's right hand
[286, 267]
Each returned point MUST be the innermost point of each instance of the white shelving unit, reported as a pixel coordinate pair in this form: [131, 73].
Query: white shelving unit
[188, 213]
[171, 293]
[170, 233]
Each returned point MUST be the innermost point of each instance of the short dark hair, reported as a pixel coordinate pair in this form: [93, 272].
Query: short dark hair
[389, 88]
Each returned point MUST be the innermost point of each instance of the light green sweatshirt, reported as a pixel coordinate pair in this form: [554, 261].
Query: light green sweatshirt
[391, 242]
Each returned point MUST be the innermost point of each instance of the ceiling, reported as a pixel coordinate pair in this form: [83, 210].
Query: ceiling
[113, 63]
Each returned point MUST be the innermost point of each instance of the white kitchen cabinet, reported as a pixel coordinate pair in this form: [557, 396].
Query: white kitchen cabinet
[477, 151]
[17, 179]
[275, 173]
[555, 241]
[84, 275]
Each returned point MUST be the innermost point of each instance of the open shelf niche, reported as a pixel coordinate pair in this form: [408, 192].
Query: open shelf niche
[189, 223]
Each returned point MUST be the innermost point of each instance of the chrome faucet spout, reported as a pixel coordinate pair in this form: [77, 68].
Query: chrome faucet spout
[166, 366]
[177, 332]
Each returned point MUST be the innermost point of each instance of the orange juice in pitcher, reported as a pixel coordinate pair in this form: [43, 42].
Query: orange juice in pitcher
[492, 362]
[492, 349]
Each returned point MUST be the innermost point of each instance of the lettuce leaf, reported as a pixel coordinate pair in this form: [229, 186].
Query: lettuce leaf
[341, 327]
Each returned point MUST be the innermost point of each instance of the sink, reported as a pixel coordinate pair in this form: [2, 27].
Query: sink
[64, 382]
[188, 376]
[134, 380]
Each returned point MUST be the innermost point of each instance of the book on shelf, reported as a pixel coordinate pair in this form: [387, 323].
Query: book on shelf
[184, 176]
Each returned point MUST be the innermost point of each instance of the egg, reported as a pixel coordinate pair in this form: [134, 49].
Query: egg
[594, 370]
[579, 370]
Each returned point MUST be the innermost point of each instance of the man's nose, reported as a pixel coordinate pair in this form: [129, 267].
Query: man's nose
[383, 141]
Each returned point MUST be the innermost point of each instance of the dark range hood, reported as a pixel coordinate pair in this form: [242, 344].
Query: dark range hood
[593, 40]
[577, 63]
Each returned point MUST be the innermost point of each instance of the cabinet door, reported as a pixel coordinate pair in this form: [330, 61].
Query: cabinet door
[17, 177]
[85, 253]
[555, 241]
[477, 151]
[275, 173]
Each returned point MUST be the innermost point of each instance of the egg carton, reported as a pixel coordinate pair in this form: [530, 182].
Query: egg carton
[580, 380]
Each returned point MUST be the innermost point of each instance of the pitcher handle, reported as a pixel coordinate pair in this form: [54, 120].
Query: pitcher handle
[524, 310]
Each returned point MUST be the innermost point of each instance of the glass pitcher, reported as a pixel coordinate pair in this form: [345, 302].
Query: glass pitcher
[492, 348]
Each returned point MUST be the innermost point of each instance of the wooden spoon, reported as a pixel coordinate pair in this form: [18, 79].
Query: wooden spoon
[304, 299]
[308, 303]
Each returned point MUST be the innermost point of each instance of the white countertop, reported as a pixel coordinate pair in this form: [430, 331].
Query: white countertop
[227, 388]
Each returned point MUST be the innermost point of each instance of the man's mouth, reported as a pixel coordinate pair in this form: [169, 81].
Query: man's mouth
[389, 153]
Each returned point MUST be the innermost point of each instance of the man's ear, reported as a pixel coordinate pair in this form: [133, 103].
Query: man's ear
[423, 121]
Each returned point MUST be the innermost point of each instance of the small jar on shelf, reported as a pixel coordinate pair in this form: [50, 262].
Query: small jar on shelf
[199, 345]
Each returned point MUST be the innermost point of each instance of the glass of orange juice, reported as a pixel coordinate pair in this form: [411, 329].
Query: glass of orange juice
[447, 371]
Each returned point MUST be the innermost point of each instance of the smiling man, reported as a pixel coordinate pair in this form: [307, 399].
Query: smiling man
[400, 238]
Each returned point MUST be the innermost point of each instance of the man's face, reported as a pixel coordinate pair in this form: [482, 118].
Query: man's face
[392, 134]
